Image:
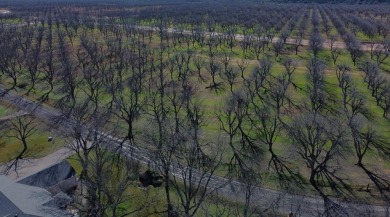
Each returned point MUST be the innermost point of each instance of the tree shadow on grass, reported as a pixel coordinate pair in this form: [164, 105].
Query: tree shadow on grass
[217, 87]
[381, 183]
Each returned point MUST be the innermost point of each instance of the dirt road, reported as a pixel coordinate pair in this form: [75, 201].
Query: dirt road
[239, 37]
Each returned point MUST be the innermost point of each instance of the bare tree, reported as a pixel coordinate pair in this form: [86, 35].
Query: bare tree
[381, 52]
[195, 168]
[199, 64]
[234, 122]
[242, 65]
[258, 48]
[319, 143]
[315, 44]
[20, 128]
[246, 43]
[345, 81]
[355, 51]
[365, 138]
[68, 78]
[163, 138]
[48, 66]
[106, 173]
[231, 74]
[182, 62]
[92, 70]
[332, 41]
[290, 65]
[232, 119]
[11, 62]
[221, 207]
[297, 42]
[228, 72]
[32, 63]
[278, 47]
[214, 69]
[268, 105]
[316, 85]
[335, 52]
[129, 100]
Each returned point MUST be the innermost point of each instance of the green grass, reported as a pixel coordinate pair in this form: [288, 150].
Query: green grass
[364, 38]
[153, 199]
[5, 110]
[213, 101]
[38, 145]
[13, 20]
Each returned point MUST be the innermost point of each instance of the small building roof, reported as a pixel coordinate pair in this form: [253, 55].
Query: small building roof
[7, 208]
[50, 176]
[28, 200]
[29, 197]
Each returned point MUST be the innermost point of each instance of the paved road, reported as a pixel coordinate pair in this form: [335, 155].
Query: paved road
[280, 201]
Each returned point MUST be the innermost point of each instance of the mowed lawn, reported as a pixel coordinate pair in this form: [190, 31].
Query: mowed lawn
[38, 144]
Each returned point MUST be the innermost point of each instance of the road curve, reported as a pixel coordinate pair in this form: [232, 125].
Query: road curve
[300, 205]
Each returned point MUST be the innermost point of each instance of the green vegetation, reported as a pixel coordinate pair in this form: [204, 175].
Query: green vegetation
[5, 110]
[266, 100]
[38, 144]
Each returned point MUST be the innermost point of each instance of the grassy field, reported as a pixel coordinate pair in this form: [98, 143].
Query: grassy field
[213, 103]
[211, 100]
[38, 145]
